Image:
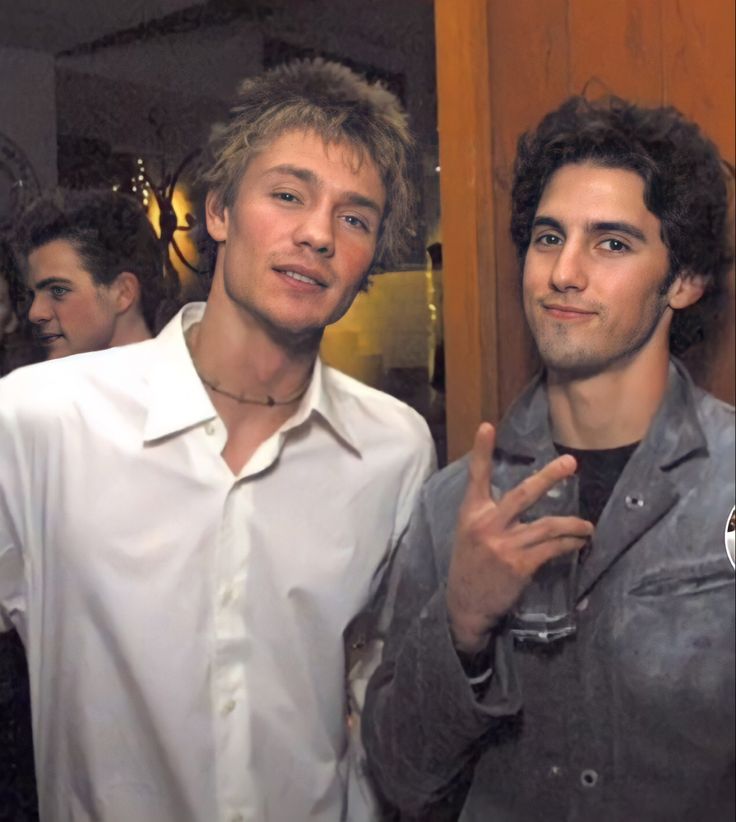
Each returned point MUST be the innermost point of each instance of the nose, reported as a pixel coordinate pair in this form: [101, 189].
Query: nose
[569, 270]
[316, 231]
[39, 312]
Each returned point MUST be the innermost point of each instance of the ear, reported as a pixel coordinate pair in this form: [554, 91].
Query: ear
[126, 291]
[216, 216]
[686, 290]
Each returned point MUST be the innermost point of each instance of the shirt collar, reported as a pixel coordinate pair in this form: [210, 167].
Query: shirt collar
[327, 400]
[178, 399]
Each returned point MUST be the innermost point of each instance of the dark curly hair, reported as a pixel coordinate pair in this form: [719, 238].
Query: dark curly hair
[685, 186]
[339, 105]
[111, 233]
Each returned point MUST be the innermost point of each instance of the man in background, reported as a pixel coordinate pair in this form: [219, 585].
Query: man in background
[619, 215]
[94, 270]
[190, 524]
[16, 345]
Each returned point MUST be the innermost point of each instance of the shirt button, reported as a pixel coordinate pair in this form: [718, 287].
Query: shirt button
[209, 428]
[228, 707]
[588, 778]
[582, 605]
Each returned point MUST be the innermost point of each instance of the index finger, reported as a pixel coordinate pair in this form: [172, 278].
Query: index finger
[533, 488]
[480, 467]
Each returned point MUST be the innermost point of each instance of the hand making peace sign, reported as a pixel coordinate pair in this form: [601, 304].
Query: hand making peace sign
[495, 555]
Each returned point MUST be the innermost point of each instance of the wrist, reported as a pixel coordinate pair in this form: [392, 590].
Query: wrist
[470, 640]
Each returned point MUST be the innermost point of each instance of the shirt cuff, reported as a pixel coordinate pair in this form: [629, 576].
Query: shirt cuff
[478, 668]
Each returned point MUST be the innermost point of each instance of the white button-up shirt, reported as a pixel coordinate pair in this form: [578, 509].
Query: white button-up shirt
[184, 626]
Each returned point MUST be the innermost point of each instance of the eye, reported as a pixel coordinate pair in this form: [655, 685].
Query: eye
[614, 245]
[285, 197]
[58, 291]
[356, 222]
[548, 240]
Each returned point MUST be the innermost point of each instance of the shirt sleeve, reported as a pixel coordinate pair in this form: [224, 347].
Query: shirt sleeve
[422, 722]
[12, 571]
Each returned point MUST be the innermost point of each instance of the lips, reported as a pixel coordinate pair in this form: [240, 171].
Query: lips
[47, 339]
[301, 274]
[571, 312]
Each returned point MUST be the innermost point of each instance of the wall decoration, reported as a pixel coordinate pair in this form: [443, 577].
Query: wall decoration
[18, 181]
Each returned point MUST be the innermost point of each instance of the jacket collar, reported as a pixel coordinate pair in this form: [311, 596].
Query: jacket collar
[675, 432]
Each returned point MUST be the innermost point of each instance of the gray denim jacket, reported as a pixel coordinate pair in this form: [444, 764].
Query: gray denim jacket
[630, 719]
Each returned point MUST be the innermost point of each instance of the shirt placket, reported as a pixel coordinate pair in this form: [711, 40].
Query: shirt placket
[231, 714]
[228, 689]
[239, 797]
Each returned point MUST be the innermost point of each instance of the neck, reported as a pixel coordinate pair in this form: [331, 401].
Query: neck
[244, 360]
[130, 329]
[609, 409]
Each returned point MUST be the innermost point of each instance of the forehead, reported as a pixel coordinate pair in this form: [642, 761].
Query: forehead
[341, 163]
[58, 258]
[603, 193]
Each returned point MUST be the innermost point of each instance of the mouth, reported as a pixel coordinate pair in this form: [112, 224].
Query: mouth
[299, 274]
[566, 312]
[47, 339]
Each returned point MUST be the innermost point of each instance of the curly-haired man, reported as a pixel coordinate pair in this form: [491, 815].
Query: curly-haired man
[189, 525]
[619, 707]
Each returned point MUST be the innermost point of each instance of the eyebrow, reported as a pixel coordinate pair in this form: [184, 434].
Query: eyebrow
[621, 228]
[548, 222]
[595, 228]
[309, 177]
[49, 281]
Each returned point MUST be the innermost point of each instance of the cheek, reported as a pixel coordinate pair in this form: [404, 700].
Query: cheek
[531, 272]
[357, 259]
[529, 286]
[256, 229]
[635, 308]
[82, 314]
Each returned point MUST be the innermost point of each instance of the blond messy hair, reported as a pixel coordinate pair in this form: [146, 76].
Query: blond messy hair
[329, 99]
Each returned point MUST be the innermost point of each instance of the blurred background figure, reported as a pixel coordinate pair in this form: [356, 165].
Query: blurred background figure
[93, 268]
[87, 273]
[17, 782]
[16, 344]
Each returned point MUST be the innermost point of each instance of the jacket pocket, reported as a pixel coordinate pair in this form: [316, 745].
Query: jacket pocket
[685, 581]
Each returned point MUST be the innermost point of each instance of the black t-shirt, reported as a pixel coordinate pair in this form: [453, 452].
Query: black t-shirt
[598, 472]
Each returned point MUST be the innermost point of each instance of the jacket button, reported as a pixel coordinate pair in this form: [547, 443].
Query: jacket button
[582, 605]
[588, 778]
[634, 502]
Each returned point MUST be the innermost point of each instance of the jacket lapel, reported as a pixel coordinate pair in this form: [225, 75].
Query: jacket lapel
[647, 488]
[642, 496]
